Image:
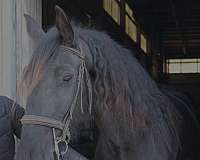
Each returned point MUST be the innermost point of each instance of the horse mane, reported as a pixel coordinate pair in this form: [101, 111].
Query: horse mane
[121, 87]
[124, 90]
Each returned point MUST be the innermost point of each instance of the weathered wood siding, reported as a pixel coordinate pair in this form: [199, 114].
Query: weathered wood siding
[15, 45]
[24, 46]
[7, 48]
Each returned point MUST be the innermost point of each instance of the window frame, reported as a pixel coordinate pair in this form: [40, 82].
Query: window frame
[145, 49]
[110, 10]
[127, 28]
[181, 62]
[124, 14]
[132, 19]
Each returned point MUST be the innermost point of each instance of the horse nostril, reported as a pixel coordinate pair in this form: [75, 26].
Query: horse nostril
[67, 78]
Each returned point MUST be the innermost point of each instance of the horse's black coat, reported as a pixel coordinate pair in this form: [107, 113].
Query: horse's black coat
[190, 129]
[8, 125]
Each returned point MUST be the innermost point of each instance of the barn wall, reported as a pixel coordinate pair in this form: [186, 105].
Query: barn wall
[24, 45]
[7, 48]
[15, 45]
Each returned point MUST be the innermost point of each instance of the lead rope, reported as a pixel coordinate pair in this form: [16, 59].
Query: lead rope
[66, 136]
[82, 71]
[56, 148]
[66, 131]
[89, 87]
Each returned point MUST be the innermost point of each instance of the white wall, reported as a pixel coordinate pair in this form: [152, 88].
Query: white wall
[15, 45]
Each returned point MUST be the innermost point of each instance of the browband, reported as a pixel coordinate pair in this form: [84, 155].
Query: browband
[73, 51]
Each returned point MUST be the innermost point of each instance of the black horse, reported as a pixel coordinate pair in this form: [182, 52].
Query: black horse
[189, 129]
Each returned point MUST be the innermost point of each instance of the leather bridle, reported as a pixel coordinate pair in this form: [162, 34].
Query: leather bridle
[63, 125]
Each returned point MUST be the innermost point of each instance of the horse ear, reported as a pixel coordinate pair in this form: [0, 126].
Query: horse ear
[64, 27]
[34, 30]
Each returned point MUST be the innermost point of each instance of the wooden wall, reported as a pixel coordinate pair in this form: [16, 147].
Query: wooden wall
[7, 48]
[15, 45]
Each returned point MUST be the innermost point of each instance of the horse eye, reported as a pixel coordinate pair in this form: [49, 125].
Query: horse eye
[67, 77]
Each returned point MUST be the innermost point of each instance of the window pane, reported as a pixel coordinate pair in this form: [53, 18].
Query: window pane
[107, 5]
[131, 28]
[143, 43]
[194, 60]
[113, 9]
[116, 11]
[174, 68]
[129, 11]
[199, 67]
[189, 67]
[174, 60]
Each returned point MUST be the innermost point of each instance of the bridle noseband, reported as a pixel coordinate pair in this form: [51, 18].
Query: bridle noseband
[63, 126]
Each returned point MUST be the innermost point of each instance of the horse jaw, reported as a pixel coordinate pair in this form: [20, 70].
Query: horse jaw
[37, 148]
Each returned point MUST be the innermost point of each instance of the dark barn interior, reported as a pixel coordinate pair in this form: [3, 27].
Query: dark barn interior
[165, 35]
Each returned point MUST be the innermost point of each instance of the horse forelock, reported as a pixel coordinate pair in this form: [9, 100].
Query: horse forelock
[40, 58]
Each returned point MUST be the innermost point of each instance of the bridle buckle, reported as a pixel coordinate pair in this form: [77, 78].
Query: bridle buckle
[60, 145]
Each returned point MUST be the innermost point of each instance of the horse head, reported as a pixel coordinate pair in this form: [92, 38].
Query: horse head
[55, 79]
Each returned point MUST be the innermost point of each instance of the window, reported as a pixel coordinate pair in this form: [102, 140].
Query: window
[131, 28]
[183, 65]
[129, 12]
[143, 42]
[112, 7]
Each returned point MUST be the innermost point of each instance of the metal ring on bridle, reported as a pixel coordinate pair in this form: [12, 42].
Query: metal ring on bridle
[61, 143]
